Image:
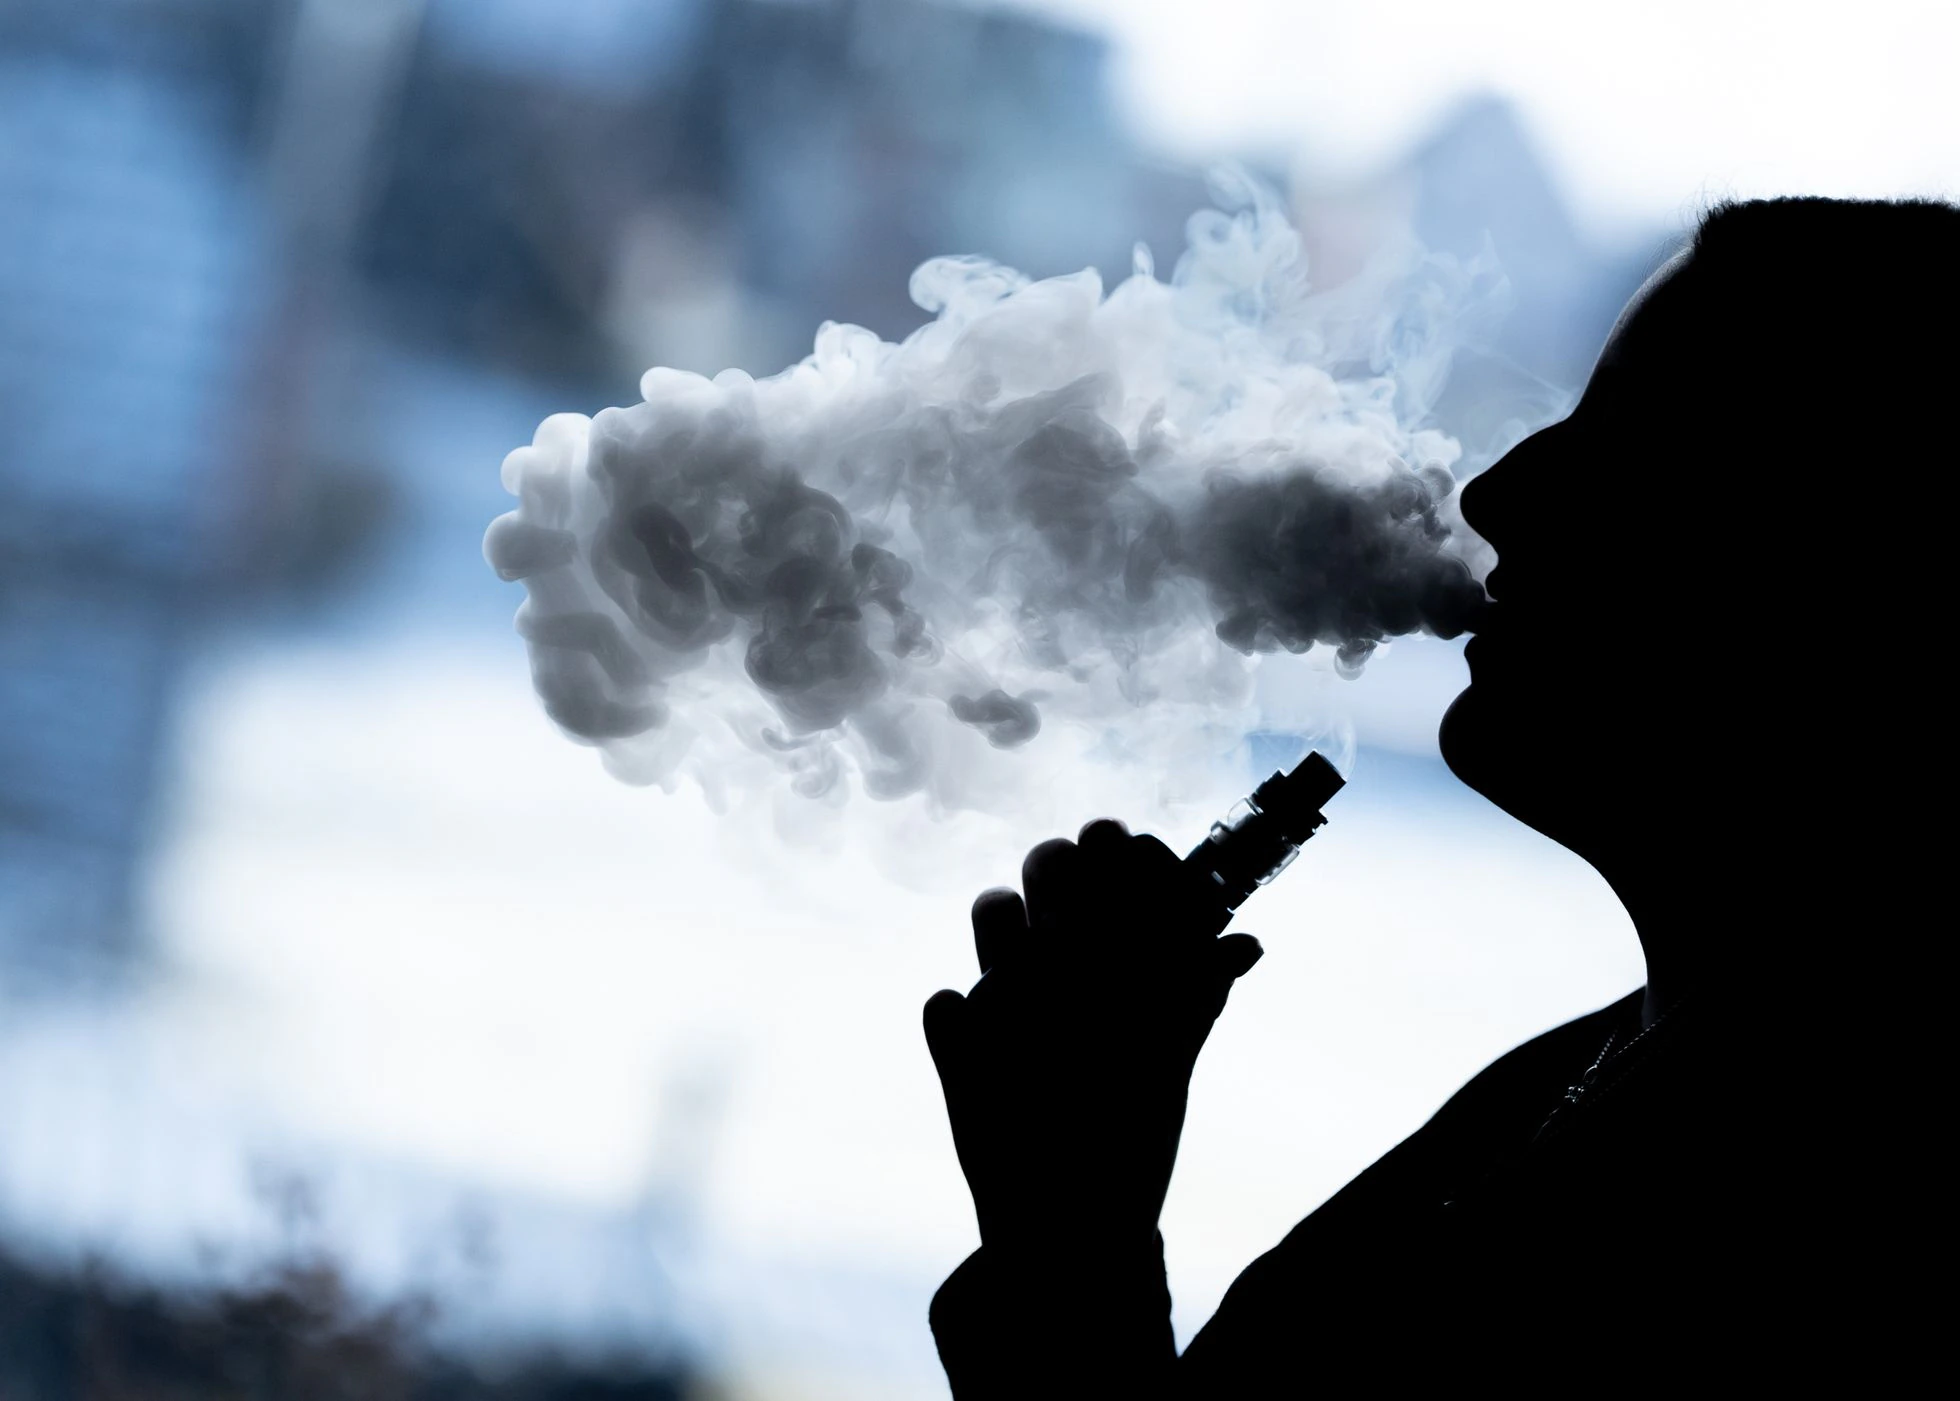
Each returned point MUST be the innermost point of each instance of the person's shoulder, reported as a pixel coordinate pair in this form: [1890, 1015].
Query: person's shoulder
[1383, 1216]
[1509, 1097]
[1580, 1030]
[1543, 1064]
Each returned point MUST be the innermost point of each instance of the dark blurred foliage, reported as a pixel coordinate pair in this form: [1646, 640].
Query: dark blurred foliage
[299, 1336]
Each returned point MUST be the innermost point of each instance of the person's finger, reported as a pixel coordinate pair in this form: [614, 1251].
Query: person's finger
[1106, 879]
[1103, 837]
[1152, 856]
[1051, 878]
[945, 1023]
[1224, 962]
[1000, 926]
[1234, 955]
[1183, 907]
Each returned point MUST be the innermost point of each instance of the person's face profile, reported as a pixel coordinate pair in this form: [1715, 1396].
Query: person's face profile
[1561, 696]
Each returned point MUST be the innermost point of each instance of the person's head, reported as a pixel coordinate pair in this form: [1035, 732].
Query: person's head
[1728, 538]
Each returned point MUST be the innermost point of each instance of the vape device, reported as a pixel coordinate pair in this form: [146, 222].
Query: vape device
[1261, 835]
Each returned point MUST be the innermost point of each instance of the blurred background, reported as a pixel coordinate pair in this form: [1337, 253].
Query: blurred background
[358, 1036]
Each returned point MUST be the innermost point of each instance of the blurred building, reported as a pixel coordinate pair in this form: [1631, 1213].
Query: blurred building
[131, 257]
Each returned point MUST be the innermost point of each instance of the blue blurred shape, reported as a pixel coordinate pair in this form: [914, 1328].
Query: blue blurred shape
[126, 271]
[622, 46]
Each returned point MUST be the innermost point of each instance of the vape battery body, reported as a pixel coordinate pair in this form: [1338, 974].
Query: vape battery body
[1261, 835]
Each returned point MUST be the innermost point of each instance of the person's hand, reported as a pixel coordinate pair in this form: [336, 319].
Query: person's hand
[1065, 1069]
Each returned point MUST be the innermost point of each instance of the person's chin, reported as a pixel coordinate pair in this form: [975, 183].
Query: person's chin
[1461, 737]
[1480, 748]
[1519, 759]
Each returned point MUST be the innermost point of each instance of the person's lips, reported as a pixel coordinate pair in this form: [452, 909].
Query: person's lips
[1487, 634]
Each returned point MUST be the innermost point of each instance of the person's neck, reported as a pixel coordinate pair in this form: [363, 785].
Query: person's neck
[1671, 911]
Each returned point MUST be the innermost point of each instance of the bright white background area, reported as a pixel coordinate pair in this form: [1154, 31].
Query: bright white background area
[1646, 110]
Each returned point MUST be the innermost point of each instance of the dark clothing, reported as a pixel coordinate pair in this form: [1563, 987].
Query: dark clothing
[1517, 1235]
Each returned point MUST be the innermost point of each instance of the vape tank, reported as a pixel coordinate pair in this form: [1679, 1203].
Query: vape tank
[1260, 836]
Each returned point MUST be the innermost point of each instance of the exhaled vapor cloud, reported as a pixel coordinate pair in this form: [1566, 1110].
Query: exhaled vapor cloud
[892, 560]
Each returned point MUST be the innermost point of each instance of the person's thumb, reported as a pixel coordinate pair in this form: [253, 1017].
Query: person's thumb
[1234, 955]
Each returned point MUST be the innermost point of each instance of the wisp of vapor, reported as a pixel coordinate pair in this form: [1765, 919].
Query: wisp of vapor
[894, 562]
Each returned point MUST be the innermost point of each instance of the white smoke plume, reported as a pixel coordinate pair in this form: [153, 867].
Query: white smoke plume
[1045, 506]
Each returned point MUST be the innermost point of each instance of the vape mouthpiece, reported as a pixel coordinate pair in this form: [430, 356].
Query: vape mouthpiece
[1260, 837]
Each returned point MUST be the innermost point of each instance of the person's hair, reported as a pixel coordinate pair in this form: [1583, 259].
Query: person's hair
[1797, 220]
[1833, 301]
[1815, 348]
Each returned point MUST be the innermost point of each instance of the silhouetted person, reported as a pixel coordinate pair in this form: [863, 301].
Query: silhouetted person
[1703, 575]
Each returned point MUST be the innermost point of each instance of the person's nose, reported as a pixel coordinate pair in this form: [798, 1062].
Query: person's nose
[1481, 496]
[1494, 501]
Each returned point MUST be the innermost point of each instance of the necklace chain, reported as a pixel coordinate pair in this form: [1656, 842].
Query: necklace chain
[1584, 1082]
[1578, 1088]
